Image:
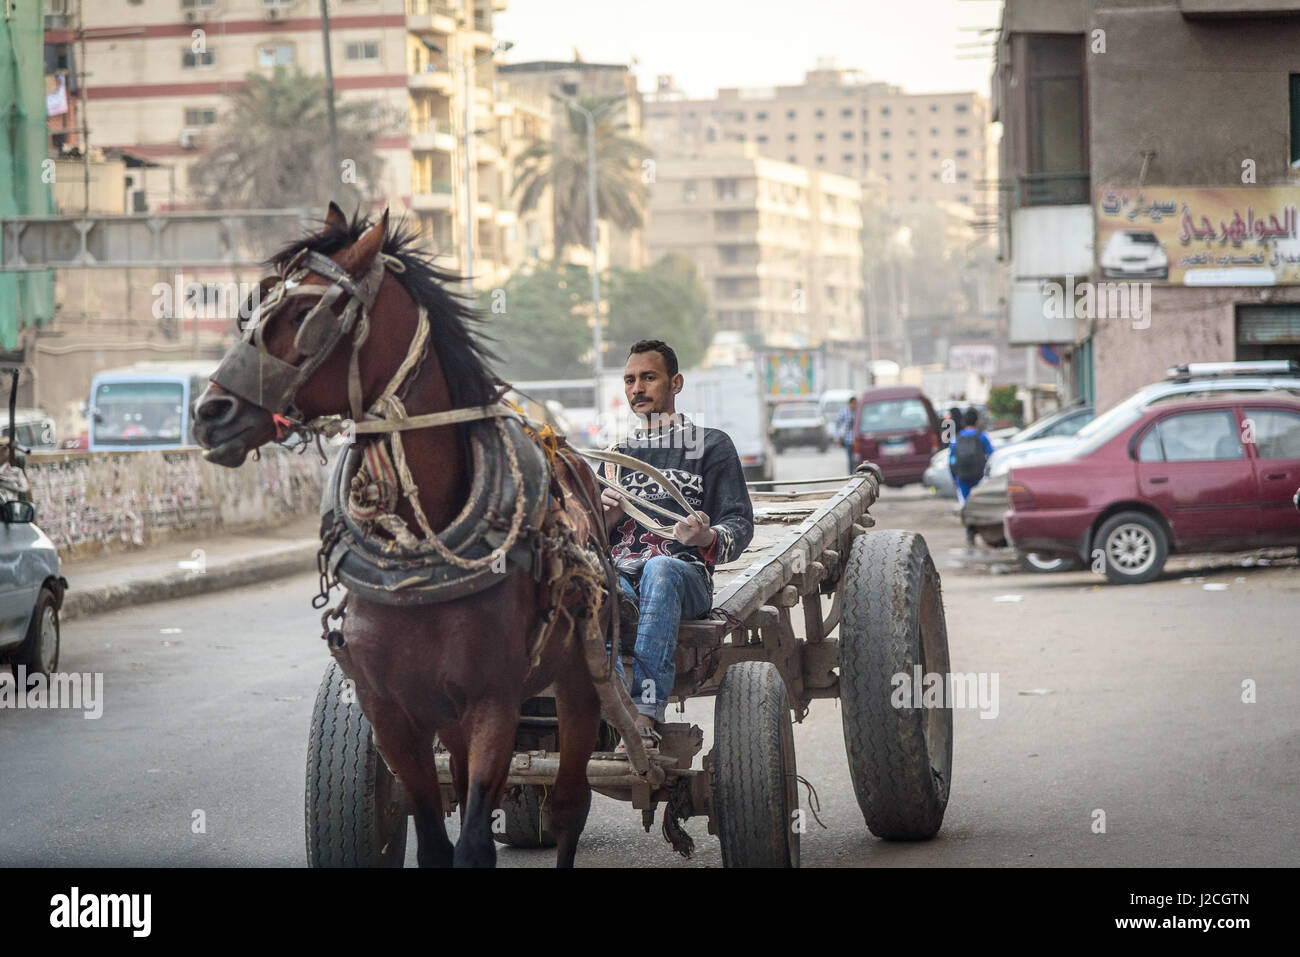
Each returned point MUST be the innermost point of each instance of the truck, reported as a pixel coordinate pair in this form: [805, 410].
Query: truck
[734, 400]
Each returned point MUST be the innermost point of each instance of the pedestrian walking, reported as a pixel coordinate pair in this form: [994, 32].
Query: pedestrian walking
[967, 455]
[844, 428]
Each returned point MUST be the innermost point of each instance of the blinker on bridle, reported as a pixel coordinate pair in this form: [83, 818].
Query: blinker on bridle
[342, 308]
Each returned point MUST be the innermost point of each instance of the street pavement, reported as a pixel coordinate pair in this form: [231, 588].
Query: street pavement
[1120, 700]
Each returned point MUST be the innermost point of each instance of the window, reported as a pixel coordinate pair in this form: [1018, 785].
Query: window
[820, 137]
[963, 198]
[792, 159]
[884, 157]
[1277, 433]
[791, 137]
[962, 154]
[846, 135]
[846, 113]
[848, 157]
[884, 111]
[934, 176]
[760, 116]
[821, 159]
[740, 116]
[866, 158]
[1055, 120]
[789, 114]
[961, 108]
[884, 134]
[934, 107]
[200, 116]
[820, 114]
[198, 61]
[688, 191]
[963, 175]
[361, 50]
[962, 131]
[762, 137]
[934, 154]
[1192, 437]
[864, 136]
[275, 54]
[197, 4]
[934, 131]
[911, 111]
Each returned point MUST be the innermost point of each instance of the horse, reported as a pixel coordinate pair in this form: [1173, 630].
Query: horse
[459, 667]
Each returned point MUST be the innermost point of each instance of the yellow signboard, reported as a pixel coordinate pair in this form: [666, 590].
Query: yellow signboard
[1199, 236]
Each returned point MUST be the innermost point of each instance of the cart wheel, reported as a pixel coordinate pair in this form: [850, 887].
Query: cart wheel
[523, 818]
[355, 808]
[754, 780]
[900, 757]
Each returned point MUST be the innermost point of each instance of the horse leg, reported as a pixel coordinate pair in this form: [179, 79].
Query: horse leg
[490, 727]
[409, 752]
[453, 739]
[578, 710]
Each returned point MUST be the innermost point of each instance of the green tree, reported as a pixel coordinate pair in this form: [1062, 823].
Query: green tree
[273, 148]
[666, 301]
[536, 323]
[560, 165]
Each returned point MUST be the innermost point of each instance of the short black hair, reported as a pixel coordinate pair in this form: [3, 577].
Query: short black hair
[970, 416]
[661, 347]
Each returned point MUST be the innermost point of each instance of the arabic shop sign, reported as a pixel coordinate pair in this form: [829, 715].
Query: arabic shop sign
[1199, 236]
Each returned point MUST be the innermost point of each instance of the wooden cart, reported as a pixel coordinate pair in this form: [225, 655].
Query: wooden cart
[813, 551]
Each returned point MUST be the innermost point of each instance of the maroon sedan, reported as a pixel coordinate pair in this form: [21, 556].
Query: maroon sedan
[897, 429]
[1213, 475]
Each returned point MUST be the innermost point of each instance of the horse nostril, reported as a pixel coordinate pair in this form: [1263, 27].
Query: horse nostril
[216, 409]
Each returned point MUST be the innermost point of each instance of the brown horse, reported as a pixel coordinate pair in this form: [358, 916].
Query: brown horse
[459, 669]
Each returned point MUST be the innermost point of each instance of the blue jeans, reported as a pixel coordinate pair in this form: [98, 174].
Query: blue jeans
[670, 590]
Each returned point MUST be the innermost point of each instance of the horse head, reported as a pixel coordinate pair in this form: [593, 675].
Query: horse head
[307, 349]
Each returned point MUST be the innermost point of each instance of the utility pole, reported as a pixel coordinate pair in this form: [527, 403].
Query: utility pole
[329, 96]
[83, 129]
[469, 175]
[594, 239]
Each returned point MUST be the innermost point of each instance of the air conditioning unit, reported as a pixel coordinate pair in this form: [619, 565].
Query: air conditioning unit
[275, 14]
[189, 139]
[196, 16]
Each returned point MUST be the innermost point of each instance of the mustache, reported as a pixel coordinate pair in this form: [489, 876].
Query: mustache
[640, 398]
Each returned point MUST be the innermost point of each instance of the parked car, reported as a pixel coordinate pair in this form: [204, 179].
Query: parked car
[1186, 475]
[1134, 254]
[897, 429]
[798, 423]
[1206, 378]
[31, 588]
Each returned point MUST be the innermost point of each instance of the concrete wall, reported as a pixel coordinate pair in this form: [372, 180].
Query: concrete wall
[1188, 324]
[91, 502]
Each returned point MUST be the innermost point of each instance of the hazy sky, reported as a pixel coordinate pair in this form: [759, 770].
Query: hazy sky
[706, 44]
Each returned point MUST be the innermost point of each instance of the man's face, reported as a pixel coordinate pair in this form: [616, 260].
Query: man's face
[647, 385]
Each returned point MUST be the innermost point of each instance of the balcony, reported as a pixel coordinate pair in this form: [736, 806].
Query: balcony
[431, 79]
[431, 196]
[429, 135]
[425, 16]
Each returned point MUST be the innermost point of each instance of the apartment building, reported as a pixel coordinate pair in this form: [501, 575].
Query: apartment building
[1150, 184]
[778, 246]
[924, 147]
[158, 73]
[575, 80]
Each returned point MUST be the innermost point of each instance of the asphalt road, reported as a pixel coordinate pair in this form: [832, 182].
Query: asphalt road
[1125, 700]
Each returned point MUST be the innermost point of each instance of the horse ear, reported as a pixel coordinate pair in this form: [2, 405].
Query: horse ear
[334, 217]
[358, 257]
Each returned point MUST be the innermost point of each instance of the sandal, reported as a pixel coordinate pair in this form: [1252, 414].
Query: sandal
[650, 739]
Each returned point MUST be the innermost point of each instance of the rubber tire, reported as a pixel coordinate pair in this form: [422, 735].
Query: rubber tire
[30, 653]
[523, 811]
[1060, 563]
[901, 779]
[1159, 538]
[755, 791]
[347, 782]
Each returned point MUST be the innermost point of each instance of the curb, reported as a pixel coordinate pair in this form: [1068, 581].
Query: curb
[235, 573]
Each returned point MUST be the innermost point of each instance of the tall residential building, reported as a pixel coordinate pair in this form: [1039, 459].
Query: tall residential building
[778, 246]
[158, 72]
[924, 146]
[577, 80]
[1149, 215]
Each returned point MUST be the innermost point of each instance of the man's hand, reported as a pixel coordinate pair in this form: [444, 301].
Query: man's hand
[611, 502]
[694, 530]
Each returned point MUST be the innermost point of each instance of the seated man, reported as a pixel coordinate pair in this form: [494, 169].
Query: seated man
[671, 577]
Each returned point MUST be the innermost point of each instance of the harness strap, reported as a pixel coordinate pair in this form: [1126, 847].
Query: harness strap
[618, 458]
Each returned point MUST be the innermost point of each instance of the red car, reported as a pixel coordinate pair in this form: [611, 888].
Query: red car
[1205, 475]
[897, 429]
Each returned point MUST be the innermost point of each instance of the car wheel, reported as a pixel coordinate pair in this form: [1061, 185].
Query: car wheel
[1047, 564]
[1134, 546]
[40, 651]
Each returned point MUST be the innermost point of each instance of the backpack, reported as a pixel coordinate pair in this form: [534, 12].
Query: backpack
[971, 458]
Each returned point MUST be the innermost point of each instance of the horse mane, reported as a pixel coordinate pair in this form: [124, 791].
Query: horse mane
[462, 347]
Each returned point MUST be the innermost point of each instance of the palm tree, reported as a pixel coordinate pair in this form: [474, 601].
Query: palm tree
[561, 166]
[272, 149]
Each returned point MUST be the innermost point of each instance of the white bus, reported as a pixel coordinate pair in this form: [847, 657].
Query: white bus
[146, 406]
